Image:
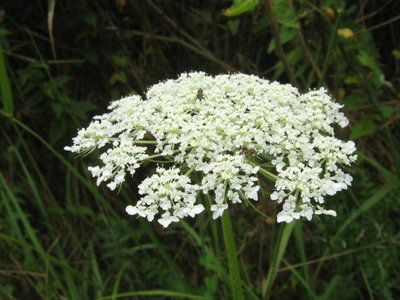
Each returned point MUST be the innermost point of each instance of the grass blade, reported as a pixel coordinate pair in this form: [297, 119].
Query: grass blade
[374, 199]
[370, 202]
[153, 293]
[299, 237]
[6, 93]
[280, 248]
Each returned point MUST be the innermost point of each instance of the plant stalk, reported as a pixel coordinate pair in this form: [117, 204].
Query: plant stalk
[233, 261]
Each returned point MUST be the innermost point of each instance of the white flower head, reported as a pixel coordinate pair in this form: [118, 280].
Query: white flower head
[168, 191]
[223, 128]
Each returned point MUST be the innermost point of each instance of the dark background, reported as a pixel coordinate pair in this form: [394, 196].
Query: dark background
[61, 237]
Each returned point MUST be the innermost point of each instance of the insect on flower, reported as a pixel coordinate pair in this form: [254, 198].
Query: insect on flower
[249, 152]
[200, 94]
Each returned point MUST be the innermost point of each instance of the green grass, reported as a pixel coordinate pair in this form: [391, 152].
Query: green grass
[6, 93]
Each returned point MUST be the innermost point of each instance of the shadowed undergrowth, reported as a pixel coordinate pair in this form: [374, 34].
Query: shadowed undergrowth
[62, 237]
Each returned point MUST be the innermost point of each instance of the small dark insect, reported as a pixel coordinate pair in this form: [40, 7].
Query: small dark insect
[200, 94]
[249, 152]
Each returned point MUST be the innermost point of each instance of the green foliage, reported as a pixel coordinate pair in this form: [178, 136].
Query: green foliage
[240, 7]
[6, 94]
[63, 237]
[286, 14]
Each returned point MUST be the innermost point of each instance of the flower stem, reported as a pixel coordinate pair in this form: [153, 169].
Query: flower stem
[146, 142]
[190, 171]
[268, 174]
[233, 262]
[263, 172]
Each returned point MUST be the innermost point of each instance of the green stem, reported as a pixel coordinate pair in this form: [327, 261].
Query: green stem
[159, 155]
[190, 171]
[214, 230]
[280, 248]
[233, 262]
[248, 202]
[262, 171]
[268, 174]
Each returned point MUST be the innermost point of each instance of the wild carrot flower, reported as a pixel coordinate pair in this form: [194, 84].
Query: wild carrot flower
[214, 135]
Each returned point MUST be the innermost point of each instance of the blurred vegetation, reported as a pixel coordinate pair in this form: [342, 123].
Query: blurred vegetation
[61, 62]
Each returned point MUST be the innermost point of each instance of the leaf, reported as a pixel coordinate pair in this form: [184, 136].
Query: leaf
[233, 26]
[363, 127]
[80, 109]
[329, 12]
[286, 14]
[354, 99]
[386, 111]
[39, 65]
[368, 61]
[286, 35]
[240, 7]
[3, 32]
[58, 130]
[120, 60]
[211, 282]
[351, 80]
[90, 18]
[396, 53]
[345, 32]
[341, 94]
[57, 108]
[118, 77]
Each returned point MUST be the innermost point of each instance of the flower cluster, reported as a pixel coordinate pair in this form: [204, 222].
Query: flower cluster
[228, 130]
[170, 191]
